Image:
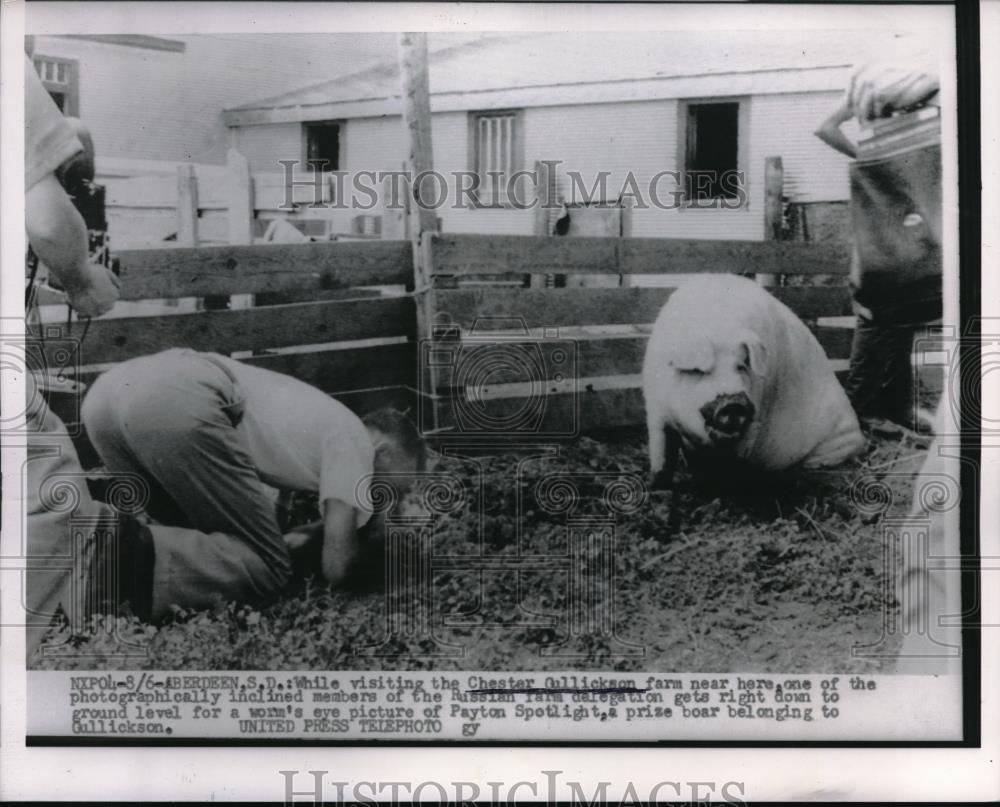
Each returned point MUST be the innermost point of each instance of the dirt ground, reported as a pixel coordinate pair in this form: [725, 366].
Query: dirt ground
[769, 575]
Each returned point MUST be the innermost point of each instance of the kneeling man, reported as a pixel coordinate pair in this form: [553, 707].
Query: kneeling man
[209, 434]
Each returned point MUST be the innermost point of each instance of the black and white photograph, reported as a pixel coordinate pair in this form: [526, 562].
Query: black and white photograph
[575, 380]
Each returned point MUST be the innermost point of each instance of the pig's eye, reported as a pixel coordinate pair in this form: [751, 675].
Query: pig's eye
[691, 371]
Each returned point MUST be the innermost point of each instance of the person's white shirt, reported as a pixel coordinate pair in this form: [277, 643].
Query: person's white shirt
[301, 439]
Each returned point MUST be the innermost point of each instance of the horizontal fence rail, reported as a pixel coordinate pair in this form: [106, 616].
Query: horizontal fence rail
[486, 359]
[358, 346]
[554, 361]
[278, 326]
[556, 308]
[201, 271]
[526, 254]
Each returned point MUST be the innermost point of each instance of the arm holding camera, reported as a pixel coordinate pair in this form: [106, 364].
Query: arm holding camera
[56, 230]
[59, 237]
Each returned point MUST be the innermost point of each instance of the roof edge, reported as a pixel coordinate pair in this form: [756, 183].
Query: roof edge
[777, 81]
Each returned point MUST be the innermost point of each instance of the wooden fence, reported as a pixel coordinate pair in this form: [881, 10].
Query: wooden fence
[556, 361]
[200, 204]
[324, 334]
[473, 360]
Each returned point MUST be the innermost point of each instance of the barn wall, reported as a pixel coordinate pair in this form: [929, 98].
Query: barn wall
[639, 136]
[264, 145]
[783, 125]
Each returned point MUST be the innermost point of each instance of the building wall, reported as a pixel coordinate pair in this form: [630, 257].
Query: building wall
[141, 103]
[640, 136]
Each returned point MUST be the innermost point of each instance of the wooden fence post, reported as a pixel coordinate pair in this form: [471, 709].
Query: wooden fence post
[422, 222]
[394, 220]
[544, 192]
[187, 206]
[774, 180]
[544, 197]
[240, 198]
[240, 213]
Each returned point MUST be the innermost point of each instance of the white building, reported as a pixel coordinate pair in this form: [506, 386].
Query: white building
[625, 103]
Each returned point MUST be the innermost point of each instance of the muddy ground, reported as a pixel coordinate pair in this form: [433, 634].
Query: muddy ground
[787, 577]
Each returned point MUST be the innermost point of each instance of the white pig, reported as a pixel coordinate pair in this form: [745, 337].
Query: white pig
[731, 372]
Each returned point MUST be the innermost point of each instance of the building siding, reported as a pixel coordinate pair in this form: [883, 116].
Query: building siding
[636, 136]
[160, 105]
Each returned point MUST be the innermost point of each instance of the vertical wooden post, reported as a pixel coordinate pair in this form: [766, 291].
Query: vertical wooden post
[394, 221]
[627, 208]
[415, 80]
[544, 198]
[774, 180]
[241, 211]
[417, 119]
[187, 206]
[240, 198]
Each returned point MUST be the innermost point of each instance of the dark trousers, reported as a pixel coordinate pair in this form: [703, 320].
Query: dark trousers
[880, 379]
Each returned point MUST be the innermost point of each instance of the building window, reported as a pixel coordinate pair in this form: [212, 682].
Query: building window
[322, 146]
[713, 142]
[495, 153]
[61, 78]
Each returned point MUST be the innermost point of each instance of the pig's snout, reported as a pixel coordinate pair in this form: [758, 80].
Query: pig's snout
[728, 416]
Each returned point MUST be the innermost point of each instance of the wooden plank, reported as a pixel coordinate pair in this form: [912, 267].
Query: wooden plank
[545, 196]
[213, 227]
[329, 370]
[274, 191]
[240, 198]
[285, 297]
[140, 229]
[774, 181]
[508, 361]
[113, 340]
[187, 272]
[347, 369]
[111, 167]
[415, 86]
[520, 254]
[669, 256]
[496, 308]
[505, 308]
[810, 302]
[141, 192]
[187, 206]
[559, 415]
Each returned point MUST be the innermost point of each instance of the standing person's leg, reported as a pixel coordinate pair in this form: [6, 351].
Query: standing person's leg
[172, 417]
[865, 369]
[897, 393]
[880, 379]
[63, 524]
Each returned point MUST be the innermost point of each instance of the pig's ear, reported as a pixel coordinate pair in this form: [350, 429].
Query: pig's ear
[692, 353]
[753, 353]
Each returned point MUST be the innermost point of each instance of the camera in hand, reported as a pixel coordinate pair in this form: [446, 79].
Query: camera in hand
[76, 176]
